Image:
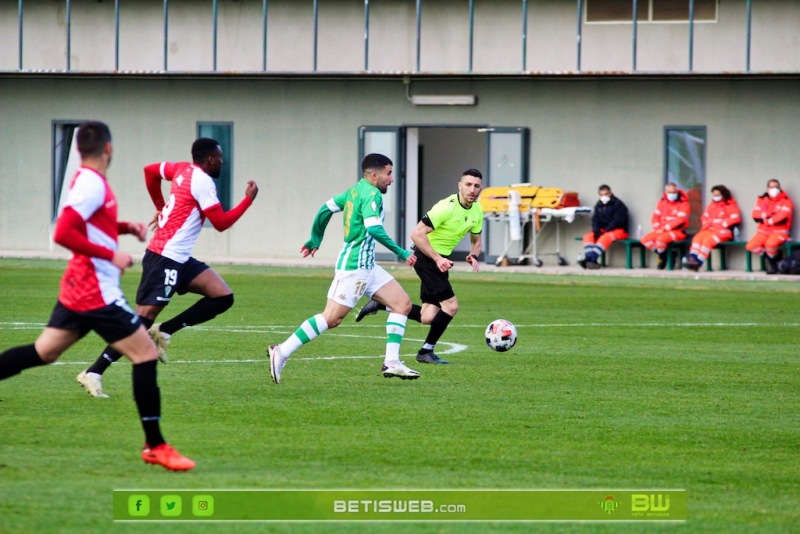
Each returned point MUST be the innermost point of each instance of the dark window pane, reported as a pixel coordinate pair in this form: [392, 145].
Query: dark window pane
[223, 133]
[615, 10]
[666, 10]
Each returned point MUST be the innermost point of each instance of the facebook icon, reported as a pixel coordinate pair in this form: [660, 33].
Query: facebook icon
[138, 505]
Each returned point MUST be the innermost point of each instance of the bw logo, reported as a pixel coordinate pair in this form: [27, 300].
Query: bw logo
[649, 502]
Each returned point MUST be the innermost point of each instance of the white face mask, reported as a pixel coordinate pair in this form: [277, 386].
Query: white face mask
[605, 199]
[773, 191]
[716, 198]
[672, 197]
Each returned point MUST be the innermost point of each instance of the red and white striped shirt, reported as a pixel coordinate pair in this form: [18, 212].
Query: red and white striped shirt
[181, 218]
[89, 282]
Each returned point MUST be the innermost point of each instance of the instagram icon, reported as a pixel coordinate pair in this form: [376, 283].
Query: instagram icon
[203, 505]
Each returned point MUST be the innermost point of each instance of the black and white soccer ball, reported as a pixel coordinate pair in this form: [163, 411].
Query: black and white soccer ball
[501, 335]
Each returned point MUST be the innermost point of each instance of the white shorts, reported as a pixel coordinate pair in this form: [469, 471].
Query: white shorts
[349, 286]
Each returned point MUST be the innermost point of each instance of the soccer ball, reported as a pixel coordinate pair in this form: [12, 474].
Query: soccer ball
[501, 335]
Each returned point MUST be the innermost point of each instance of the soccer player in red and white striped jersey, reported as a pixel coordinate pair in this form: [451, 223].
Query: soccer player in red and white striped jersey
[90, 296]
[168, 266]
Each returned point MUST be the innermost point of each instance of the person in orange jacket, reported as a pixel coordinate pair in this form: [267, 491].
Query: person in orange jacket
[773, 213]
[669, 221]
[719, 219]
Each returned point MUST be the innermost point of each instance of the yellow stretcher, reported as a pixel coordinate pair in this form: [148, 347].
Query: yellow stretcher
[519, 205]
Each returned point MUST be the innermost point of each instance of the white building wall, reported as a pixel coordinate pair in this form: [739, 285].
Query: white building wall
[444, 38]
[298, 139]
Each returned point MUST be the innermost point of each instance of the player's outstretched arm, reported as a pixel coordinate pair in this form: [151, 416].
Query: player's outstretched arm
[137, 229]
[222, 220]
[321, 220]
[378, 232]
[251, 190]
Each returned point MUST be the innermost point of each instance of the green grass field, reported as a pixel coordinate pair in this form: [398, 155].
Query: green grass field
[614, 383]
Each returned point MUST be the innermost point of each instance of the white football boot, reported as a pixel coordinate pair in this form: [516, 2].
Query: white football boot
[161, 339]
[276, 363]
[92, 383]
[399, 370]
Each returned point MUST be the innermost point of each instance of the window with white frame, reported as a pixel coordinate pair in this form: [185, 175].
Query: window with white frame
[66, 161]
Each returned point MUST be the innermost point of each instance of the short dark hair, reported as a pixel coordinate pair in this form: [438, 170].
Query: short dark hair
[604, 187]
[372, 162]
[472, 172]
[203, 148]
[724, 191]
[93, 136]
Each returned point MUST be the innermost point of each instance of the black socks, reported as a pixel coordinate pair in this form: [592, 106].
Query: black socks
[201, 311]
[110, 355]
[17, 359]
[148, 401]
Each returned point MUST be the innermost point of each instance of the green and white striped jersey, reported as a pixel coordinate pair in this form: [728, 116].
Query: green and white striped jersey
[362, 211]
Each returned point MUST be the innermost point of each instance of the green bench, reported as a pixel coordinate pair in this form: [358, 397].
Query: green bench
[788, 247]
[675, 251]
[678, 249]
[723, 256]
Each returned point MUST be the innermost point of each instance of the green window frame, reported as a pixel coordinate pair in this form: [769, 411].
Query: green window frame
[223, 133]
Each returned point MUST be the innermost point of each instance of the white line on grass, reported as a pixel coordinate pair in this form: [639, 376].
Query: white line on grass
[451, 348]
[283, 328]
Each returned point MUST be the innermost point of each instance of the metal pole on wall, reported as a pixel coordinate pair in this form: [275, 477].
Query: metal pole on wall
[316, 30]
[749, 21]
[166, 32]
[524, 35]
[419, 31]
[471, 30]
[19, 10]
[635, 28]
[116, 35]
[264, 35]
[216, 14]
[580, 31]
[691, 35]
[366, 34]
[69, 36]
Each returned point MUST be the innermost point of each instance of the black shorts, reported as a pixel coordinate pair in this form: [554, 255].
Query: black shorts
[435, 287]
[112, 323]
[163, 277]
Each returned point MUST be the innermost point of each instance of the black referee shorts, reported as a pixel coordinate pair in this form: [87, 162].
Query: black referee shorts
[435, 286]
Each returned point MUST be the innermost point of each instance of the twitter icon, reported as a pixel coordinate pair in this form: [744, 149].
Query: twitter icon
[171, 505]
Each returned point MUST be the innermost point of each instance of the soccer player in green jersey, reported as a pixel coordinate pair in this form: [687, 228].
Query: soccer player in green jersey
[435, 237]
[356, 272]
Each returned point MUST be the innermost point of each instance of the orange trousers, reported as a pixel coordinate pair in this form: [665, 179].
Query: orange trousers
[658, 241]
[705, 240]
[769, 242]
[605, 239]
